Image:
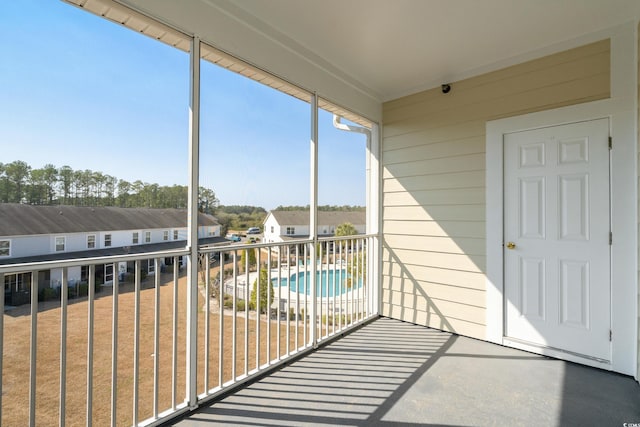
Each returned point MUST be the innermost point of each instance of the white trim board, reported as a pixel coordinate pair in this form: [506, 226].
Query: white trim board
[621, 110]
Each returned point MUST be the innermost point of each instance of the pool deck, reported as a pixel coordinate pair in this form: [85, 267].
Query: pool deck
[391, 373]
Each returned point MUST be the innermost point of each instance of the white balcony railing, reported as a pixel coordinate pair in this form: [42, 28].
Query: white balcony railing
[119, 353]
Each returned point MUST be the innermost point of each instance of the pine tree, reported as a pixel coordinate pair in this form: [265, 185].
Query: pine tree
[264, 282]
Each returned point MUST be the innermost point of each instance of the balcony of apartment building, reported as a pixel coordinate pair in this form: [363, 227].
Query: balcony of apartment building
[496, 281]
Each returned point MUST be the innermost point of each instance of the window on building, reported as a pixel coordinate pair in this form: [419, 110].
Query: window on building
[24, 282]
[165, 235]
[108, 273]
[135, 238]
[291, 230]
[147, 237]
[60, 241]
[8, 286]
[272, 228]
[91, 241]
[151, 266]
[175, 234]
[5, 247]
[107, 240]
[17, 282]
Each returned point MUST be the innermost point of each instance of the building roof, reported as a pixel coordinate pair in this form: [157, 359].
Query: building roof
[288, 237]
[117, 250]
[18, 219]
[334, 218]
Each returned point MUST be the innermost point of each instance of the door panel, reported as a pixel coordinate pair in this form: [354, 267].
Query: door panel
[532, 287]
[557, 276]
[574, 293]
[574, 207]
[532, 207]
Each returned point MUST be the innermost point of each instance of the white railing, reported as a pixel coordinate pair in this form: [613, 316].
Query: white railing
[117, 353]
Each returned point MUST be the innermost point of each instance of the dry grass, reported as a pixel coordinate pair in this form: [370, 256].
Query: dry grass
[15, 379]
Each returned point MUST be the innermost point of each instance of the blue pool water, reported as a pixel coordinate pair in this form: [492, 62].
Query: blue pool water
[324, 282]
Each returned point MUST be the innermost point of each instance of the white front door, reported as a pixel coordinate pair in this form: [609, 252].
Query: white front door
[556, 232]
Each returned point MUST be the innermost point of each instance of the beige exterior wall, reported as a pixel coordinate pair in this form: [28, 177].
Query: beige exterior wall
[434, 258]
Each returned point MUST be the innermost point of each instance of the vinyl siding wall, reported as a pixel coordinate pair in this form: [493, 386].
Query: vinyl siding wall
[434, 259]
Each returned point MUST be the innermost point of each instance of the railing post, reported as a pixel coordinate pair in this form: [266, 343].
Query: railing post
[221, 319]
[33, 350]
[234, 319]
[247, 283]
[90, 322]
[156, 335]
[313, 217]
[63, 349]
[257, 291]
[136, 340]
[174, 333]
[192, 225]
[207, 283]
[114, 348]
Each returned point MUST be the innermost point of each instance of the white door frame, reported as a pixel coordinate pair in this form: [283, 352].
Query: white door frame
[535, 171]
[621, 110]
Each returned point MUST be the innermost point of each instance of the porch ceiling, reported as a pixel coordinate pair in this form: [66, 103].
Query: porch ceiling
[393, 48]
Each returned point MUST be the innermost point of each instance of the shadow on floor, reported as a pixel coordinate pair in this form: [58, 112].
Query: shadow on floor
[391, 373]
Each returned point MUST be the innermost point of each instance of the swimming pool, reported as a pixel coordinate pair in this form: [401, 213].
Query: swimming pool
[324, 282]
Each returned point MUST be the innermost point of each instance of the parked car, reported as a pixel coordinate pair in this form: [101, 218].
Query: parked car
[234, 237]
[253, 230]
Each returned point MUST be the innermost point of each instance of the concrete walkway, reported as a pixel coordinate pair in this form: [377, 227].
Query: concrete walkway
[391, 373]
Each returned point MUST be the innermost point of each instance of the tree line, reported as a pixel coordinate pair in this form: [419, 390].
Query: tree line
[239, 217]
[50, 185]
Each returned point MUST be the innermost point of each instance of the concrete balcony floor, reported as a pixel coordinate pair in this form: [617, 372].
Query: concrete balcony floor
[390, 373]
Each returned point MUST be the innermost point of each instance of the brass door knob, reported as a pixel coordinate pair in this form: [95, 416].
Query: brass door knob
[511, 245]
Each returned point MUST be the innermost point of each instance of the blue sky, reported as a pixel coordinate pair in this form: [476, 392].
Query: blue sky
[81, 91]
